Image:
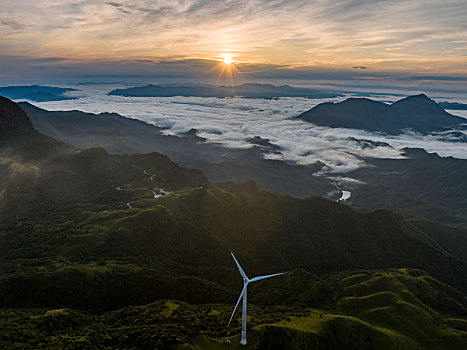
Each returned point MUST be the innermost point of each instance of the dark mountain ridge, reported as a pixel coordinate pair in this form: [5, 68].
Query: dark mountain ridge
[12, 117]
[432, 186]
[418, 112]
[39, 174]
[453, 105]
[123, 135]
[422, 185]
[248, 90]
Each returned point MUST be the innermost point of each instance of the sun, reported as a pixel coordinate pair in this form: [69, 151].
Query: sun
[227, 58]
[226, 68]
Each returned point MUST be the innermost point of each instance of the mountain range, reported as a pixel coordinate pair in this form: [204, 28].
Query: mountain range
[116, 251]
[418, 113]
[120, 135]
[37, 93]
[421, 184]
[248, 90]
[453, 105]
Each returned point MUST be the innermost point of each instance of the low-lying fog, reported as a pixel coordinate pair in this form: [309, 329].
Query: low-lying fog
[233, 121]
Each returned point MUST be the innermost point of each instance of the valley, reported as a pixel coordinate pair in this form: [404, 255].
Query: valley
[104, 250]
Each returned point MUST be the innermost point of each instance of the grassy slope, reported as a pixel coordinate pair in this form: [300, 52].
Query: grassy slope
[177, 247]
[380, 310]
[373, 310]
[265, 228]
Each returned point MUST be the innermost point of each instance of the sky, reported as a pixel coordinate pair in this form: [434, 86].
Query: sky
[326, 40]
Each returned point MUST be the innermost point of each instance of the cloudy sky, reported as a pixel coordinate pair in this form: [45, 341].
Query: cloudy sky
[370, 39]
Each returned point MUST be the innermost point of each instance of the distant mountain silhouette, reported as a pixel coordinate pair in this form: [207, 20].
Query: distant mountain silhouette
[249, 90]
[417, 112]
[12, 117]
[36, 93]
[453, 105]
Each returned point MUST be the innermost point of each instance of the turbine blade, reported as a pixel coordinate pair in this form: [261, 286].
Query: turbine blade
[259, 278]
[238, 302]
[239, 267]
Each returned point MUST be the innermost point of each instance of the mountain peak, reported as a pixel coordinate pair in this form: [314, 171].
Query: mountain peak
[420, 98]
[420, 103]
[417, 112]
[12, 117]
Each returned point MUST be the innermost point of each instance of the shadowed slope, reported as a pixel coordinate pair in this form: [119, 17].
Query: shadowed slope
[418, 112]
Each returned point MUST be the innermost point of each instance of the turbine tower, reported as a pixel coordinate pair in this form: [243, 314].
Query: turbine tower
[246, 281]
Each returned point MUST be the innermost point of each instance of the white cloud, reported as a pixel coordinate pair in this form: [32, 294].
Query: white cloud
[231, 122]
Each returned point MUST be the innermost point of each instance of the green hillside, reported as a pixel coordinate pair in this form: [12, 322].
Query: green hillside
[176, 246]
[392, 309]
[40, 176]
[102, 251]
[386, 309]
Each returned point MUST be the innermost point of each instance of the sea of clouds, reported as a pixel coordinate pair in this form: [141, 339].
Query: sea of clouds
[232, 121]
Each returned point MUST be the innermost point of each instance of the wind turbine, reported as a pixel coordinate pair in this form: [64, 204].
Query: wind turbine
[246, 281]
